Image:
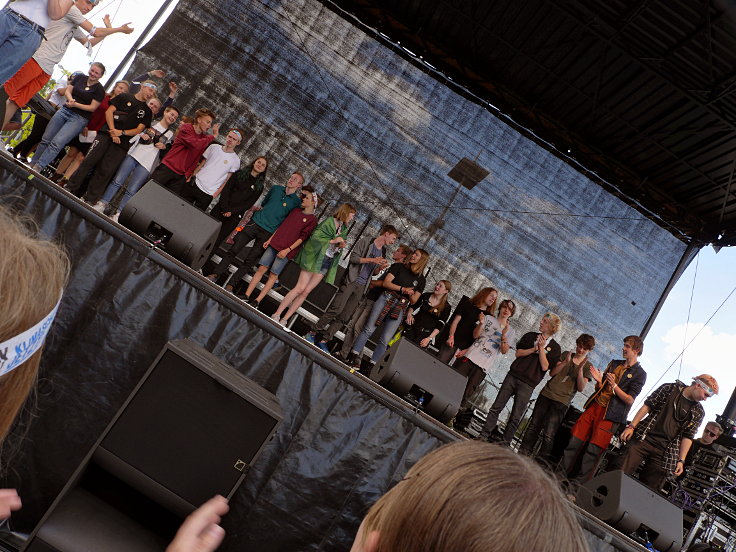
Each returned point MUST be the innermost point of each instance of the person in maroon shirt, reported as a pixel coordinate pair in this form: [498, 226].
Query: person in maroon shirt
[284, 244]
[191, 141]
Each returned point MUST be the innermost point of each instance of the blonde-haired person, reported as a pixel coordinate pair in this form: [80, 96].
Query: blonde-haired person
[403, 285]
[33, 273]
[663, 429]
[318, 259]
[536, 353]
[474, 497]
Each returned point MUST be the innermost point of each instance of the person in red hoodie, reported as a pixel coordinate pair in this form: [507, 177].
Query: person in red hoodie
[187, 150]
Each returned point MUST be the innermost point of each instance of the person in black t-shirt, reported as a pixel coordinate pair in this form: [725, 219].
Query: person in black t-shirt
[402, 286]
[536, 353]
[458, 336]
[126, 117]
[428, 316]
[711, 433]
[664, 428]
[357, 321]
[83, 96]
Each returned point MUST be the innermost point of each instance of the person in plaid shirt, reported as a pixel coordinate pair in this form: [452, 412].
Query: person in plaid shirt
[663, 438]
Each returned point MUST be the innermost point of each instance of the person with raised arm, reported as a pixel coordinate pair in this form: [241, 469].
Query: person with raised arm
[366, 259]
[492, 337]
[402, 286]
[37, 71]
[663, 430]
[186, 151]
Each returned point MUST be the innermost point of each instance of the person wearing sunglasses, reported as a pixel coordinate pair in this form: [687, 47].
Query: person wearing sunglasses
[711, 433]
[663, 429]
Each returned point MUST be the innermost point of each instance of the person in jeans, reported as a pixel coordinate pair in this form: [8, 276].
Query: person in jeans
[402, 286]
[141, 160]
[83, 96]
[22, 24]
[536, 353]
[375, 289]
[127, 116]
[570, 376]
[366, 258]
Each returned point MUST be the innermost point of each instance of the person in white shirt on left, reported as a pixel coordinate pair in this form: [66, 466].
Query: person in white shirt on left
[211, 175]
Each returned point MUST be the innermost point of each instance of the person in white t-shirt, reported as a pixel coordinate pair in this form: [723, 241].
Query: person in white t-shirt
[143, 157]
[210, 177]
[36, 72]
[492, 337]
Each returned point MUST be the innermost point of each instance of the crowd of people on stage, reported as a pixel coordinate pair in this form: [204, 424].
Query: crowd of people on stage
[116, 144]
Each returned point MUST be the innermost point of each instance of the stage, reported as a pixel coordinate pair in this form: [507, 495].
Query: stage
[344, 439]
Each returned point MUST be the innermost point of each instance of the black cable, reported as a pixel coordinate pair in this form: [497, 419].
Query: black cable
[689, 310]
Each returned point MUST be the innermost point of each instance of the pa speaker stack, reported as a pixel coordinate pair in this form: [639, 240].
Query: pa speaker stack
[174, 225]
[413, 374]
[190, 430]
[631, 507]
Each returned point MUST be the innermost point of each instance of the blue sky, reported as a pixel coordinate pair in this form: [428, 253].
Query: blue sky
[712, 350]
[716, 272]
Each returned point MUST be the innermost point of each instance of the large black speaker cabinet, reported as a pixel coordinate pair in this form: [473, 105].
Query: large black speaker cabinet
[169, 222]
[630, 506]
[191, 429]
[412, 373]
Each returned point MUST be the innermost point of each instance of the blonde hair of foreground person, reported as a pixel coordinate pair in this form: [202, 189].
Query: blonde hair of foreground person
[33, 273]
[475, 497]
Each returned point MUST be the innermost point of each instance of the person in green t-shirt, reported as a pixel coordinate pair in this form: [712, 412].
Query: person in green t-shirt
[570, 376]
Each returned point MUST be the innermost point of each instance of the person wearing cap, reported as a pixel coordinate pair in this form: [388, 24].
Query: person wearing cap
[663, 429]
[37, 71]
[127, 116]
[213, 172]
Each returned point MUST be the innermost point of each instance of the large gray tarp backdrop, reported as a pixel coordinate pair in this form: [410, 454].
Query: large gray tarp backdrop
[316, 94]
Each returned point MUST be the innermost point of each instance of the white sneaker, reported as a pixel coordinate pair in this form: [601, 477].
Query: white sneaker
[115, 217]
[99, 206]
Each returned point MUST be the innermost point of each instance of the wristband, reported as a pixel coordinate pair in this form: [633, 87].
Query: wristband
[629, 426]
[680, 460]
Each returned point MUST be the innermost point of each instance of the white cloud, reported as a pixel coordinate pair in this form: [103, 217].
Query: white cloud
[709, 353]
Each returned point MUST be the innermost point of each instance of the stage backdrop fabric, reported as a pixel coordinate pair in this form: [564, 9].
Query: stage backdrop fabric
[314, 93]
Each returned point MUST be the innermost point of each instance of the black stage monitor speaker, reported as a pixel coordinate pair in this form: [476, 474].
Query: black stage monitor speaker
[412, 373]
[629, 506]
[190, 430]
[169, 222]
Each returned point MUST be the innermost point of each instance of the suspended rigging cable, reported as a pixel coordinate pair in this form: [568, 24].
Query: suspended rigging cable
[689, 310]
